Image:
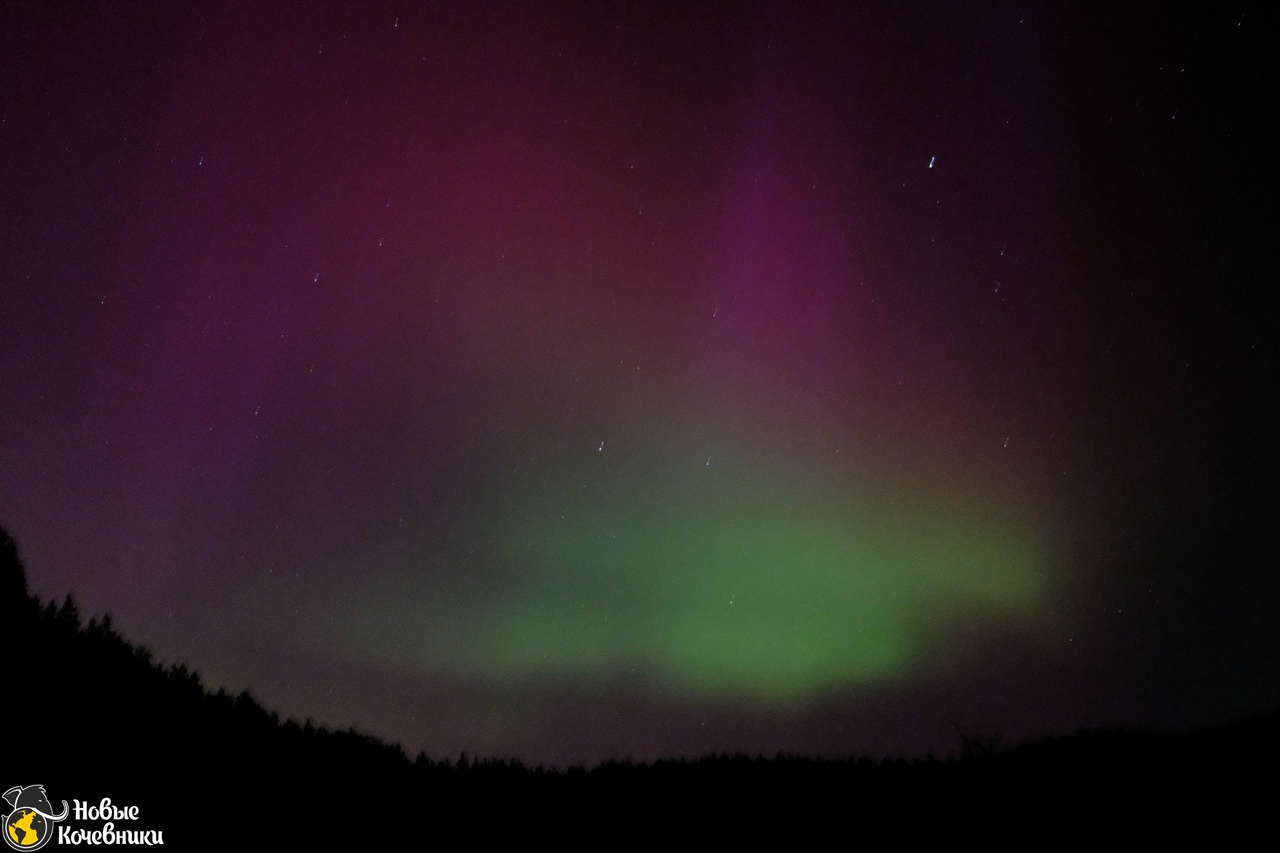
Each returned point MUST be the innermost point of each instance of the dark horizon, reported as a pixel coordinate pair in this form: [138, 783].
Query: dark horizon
[599, 381]
[161, 723]
[163, 709]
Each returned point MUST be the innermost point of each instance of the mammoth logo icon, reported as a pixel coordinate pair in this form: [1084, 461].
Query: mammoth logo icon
[30, 825]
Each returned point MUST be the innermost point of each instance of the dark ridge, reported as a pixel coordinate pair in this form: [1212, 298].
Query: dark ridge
[94, 716]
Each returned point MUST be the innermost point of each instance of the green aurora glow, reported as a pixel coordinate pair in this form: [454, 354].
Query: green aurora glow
[729, 579]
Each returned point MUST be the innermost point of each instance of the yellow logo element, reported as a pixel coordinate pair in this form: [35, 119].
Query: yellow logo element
[30, 825]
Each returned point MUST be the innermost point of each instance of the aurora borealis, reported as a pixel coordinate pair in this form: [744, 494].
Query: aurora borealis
[746, 585]
[587, 380]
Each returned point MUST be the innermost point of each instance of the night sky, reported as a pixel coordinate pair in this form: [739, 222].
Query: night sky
[576, 381]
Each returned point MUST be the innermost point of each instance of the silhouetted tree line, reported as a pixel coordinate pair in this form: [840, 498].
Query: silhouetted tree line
[90, 714]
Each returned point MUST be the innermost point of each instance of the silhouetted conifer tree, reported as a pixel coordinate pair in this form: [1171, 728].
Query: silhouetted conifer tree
[13, 580]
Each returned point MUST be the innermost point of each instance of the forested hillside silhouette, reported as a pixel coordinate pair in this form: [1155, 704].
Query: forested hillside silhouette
[88, 714]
